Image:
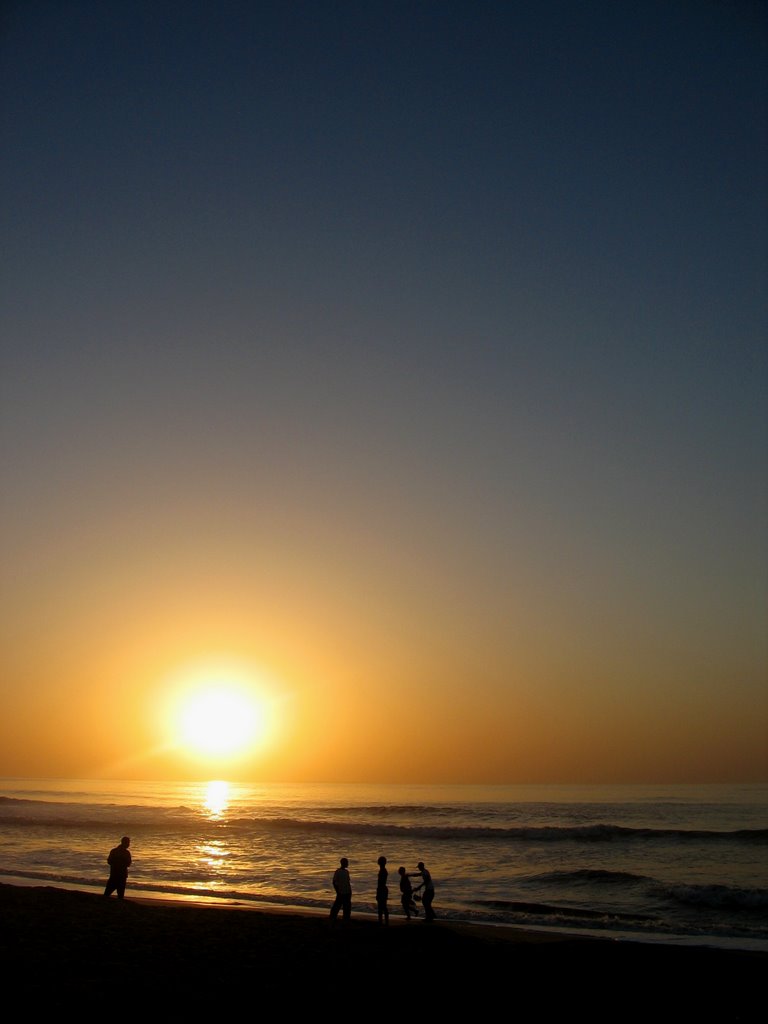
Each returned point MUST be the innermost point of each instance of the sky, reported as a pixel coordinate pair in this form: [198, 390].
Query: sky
[400, 366]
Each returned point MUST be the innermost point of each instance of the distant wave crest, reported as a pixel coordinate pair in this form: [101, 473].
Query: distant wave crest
[40, 814]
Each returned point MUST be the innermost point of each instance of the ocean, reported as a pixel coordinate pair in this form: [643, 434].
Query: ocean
[658, 863]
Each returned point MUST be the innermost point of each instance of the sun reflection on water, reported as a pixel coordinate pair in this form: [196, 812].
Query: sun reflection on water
[213, 855]
[216, 800]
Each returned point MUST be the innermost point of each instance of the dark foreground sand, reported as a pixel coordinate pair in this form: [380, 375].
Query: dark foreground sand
[75, 950]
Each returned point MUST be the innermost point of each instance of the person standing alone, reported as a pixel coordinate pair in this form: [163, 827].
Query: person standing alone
[119, 861]
[343, 889]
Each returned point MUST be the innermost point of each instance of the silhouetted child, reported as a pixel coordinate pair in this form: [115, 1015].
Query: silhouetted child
[382, 891]
[406, 894]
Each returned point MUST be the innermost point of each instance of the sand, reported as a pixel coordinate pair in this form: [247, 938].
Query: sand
[78, 950]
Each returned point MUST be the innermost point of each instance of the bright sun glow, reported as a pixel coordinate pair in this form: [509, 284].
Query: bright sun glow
[220, 720]
[221, 713]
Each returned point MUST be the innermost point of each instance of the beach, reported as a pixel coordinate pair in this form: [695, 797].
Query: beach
[70, 948]
[669, 863]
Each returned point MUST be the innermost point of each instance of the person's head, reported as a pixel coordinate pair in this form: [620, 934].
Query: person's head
[420, 865]
[125, 841]
[401, 871]
[381, 861]
[344, 862]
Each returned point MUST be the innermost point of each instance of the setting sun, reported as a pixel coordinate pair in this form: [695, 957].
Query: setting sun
[221, 720]
[223, 712]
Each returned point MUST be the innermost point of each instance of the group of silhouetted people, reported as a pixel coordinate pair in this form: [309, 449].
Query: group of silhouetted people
[119, 861]
[342, 886]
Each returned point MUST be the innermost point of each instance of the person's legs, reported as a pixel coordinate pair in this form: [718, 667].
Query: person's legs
[114, 882]
[426, 902]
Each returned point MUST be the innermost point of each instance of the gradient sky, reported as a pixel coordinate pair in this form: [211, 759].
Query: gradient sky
[412, 353]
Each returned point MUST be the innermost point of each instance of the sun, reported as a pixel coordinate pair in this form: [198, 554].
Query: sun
[221, 720]
[220, 712]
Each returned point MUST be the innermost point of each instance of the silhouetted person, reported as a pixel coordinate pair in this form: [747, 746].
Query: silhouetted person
[343, 888]
[119, 861]
[382, 892]
[429, 891]
[406, 894]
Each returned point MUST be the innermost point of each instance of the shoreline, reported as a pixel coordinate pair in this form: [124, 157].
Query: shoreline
[78, 945]
[529, 932]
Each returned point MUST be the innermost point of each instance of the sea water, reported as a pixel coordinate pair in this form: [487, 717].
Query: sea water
[670, 863]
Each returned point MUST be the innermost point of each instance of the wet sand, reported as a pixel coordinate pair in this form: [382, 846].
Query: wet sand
[63, 948]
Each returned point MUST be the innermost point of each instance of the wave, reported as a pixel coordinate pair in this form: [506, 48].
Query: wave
[601, 875]
[715, 897]
[549, 910]
[178, 819]
[721, 897]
